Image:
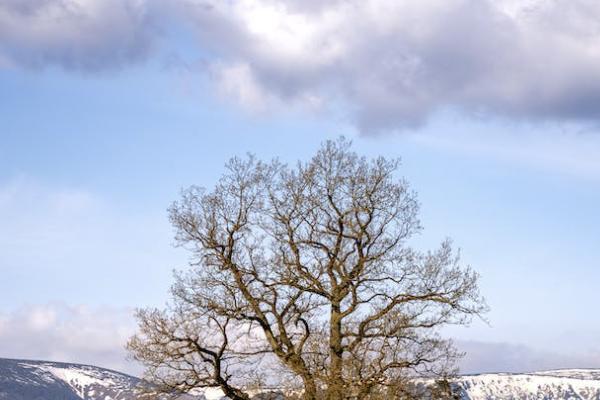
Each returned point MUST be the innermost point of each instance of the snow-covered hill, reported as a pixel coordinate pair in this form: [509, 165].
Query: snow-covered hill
[567, 384]
[40, 380]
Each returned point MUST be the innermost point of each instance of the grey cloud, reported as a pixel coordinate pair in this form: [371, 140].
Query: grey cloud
[389, 65]
[395, 64]
[481, 357]
[75, 34]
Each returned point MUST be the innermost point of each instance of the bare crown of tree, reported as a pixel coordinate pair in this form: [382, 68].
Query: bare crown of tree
[302, 280]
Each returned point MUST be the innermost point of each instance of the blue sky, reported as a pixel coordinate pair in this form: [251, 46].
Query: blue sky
[97, 137]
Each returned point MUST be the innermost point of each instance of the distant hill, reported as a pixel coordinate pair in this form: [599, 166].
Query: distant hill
[42, 380]
[567, 384]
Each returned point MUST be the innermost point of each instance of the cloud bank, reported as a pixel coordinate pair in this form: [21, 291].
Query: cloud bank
[389, 65]
[58, 332]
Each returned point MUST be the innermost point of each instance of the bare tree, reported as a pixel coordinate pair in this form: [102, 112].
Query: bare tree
[301, 278]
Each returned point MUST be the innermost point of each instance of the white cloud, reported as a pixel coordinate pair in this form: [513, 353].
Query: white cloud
[390, 64]
[237, 82]
[60, 332]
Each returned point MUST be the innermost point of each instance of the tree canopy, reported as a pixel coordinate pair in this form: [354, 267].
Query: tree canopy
[302, 279]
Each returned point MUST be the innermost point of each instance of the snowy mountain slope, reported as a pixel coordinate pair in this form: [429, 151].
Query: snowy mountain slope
[39, 380]
[571, 384]
[43, 380]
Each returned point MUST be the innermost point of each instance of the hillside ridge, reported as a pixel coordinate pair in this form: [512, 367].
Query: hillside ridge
[23, 379]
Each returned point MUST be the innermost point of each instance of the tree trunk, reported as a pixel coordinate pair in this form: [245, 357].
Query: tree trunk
[335, 385]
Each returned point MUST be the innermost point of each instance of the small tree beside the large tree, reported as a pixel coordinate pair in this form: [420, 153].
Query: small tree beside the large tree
[302, 279]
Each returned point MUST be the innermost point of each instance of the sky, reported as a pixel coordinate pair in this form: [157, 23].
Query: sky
[108, 108]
